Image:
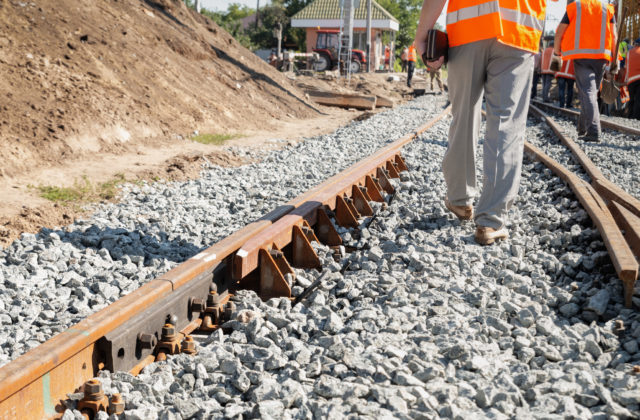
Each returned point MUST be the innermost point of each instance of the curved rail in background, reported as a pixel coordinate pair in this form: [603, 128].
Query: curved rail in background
[35, 384]
[603, 122]
[621, 213]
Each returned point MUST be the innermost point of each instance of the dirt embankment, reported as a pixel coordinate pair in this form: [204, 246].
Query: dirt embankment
[79, 77]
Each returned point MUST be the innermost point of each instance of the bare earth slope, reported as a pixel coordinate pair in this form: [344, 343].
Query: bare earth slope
[85, 76]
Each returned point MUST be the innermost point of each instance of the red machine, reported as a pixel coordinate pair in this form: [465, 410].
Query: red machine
[327, 48]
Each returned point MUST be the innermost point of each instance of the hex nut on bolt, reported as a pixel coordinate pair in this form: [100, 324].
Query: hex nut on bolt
[168, 332]
[116, 404]
[196, 304]
[92, 389]
[147, 341]
[188, 345]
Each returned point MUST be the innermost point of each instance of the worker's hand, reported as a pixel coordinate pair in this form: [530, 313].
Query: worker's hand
[436, 64]
[556, 63]
[613, 69]
[421, 46]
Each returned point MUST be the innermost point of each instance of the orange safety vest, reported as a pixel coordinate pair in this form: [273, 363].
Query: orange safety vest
[567, 70]
[632, 66]
[411, 56]
[546, 61]
[590, 31]
[517, 23]
[624, 94]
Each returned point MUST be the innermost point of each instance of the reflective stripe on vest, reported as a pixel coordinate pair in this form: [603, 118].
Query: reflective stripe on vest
[523, 19]
[512, 22]
[602, 51]
[632, 66]
[472, 12]
[566, 71]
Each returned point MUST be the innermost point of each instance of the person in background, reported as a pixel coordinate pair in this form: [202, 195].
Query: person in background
[547, 73]
[587, 35]
[411, 63]
[491, 55]
[435, 73]
[624, 48]
[565, 77]
[632, 79]
[537, 65]
[403, 58]
[387, 57]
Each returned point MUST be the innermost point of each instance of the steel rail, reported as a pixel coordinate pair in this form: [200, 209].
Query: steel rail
[604, 186]
[281, 233]
[35, 384]
[603, 122]
[621, 212]
[621, 255]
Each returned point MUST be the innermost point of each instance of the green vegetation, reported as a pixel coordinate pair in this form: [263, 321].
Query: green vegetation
[82, 191]
[217, 139]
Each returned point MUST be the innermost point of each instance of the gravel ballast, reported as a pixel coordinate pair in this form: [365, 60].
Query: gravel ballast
[56, 278]
[425, 323]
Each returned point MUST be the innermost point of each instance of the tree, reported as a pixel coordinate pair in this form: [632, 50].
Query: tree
[407, 12]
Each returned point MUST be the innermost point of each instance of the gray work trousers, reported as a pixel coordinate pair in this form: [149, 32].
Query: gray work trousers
[589, 74]
[546, 86]
[504, 74]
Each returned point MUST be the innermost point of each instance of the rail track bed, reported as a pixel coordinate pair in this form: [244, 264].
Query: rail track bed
[396, 313]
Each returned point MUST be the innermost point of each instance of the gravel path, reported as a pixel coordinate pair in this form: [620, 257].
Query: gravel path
[54, 279]
[425, 323]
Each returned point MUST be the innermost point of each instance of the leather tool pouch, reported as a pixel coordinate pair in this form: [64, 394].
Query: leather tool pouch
[437, 46]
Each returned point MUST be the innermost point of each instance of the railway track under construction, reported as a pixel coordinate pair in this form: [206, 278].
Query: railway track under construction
[158, 319]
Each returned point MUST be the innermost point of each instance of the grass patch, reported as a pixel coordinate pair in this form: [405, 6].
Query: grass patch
[82, 191]
[216, 139]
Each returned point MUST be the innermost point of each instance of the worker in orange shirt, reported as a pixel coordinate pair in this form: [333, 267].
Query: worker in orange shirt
[587, 35]
[547, 73]
[387, 57]
[565, 77]
[491, 48]
[632, 79]
[411, 63]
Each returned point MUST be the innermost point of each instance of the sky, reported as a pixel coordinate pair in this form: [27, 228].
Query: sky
[555, 10]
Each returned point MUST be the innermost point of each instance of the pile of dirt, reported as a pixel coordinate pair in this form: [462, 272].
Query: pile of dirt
[389, 85]
[85, 77]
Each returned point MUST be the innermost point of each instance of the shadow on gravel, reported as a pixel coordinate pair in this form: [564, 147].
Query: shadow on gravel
[136, 245]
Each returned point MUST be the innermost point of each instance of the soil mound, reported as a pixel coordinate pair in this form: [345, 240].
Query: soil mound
[81, 76]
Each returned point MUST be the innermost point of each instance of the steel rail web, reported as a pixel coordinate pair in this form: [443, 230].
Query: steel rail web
[34, 385]
[608, 218]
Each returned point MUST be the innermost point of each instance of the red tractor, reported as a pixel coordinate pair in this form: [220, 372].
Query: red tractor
[327, 48]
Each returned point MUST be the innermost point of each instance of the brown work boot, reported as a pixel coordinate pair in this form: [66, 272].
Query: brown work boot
[461, 212]
[487, 235]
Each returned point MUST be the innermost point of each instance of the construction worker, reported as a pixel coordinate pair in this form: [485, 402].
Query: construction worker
[624, 48]
[547, 73]
[565, 77]
[411, 63]
[587, 35]
[537, 67]
[434, 73]
[403, 58]
[387, 57]
[491, 50]
[632, 79]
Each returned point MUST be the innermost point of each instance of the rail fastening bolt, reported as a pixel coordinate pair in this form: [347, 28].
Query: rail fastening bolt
[188, 345]
[196, 304]
[93, 390]
[116, 404]
[168, 332]
[147, 341]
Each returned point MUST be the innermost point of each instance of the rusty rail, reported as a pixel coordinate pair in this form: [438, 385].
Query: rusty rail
[603, 122]
[620, 213]
[195, 294]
